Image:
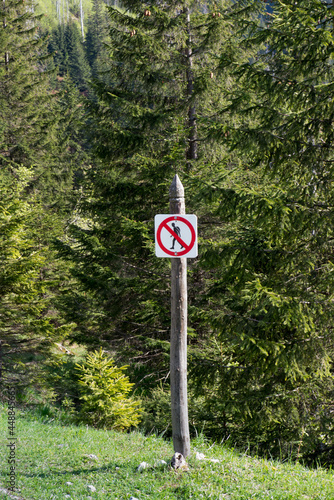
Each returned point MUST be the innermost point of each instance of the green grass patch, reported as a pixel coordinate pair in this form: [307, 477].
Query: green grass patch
[50, 455]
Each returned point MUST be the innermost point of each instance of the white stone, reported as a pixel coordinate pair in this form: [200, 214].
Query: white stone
[92, 457]
[91, 488]
[178, 462]
[133, 498]
[69, 483]
[200, 456]
[160, 463]
[142, 466]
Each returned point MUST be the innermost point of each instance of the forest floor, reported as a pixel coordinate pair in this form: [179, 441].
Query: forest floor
[54, 461]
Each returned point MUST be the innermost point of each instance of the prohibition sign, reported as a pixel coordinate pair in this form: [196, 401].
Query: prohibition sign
[166, 226]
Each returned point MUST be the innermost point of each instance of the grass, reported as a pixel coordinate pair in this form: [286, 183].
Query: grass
[50, 455]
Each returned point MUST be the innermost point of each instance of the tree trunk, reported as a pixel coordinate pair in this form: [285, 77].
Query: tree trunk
[192, 135]
[4, 26]
[81, 20]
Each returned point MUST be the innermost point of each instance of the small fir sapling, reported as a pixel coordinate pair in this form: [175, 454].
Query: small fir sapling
[105, 394]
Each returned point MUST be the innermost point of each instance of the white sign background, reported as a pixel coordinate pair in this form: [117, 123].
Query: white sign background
[164, 237]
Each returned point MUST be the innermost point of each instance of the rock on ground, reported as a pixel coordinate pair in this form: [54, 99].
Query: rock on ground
[142, 466]
[178, 462]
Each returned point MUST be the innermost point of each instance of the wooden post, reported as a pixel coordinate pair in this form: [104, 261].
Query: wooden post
[178, 338]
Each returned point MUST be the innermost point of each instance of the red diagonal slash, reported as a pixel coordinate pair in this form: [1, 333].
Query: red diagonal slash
[182, 243]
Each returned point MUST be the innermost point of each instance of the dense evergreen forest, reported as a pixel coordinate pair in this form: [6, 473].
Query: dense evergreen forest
[100, 104]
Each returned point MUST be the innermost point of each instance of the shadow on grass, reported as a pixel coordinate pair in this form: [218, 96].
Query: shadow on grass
[76, 472]
[111, 467]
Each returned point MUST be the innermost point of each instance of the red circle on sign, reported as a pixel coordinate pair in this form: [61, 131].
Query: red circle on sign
[188, 247]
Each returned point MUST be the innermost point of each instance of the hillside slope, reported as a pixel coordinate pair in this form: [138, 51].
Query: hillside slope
[57, 462]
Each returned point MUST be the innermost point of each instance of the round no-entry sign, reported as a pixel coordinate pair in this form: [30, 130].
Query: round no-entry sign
[175, 235]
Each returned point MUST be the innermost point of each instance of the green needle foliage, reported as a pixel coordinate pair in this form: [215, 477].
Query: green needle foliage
[105, 394]
[24, 328]
[150, 117]
[272, 306]
[24, 100]
[182, 87]
[68, 53]
[37, 153]
[32, 125]
[97, 38]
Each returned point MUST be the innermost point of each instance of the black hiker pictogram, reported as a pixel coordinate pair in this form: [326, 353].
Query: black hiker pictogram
[177, 231]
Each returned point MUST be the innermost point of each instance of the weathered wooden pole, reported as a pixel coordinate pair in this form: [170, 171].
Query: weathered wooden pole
[178, 338]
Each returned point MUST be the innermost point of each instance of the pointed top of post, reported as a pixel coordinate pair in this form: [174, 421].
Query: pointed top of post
[176, 189]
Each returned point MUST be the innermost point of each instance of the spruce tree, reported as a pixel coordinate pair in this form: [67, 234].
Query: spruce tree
[32, 139]
[152, 119]
[272, 298]
[69, 56]
[24, 328]
[24, 101]
[31, 113]
[105, 392]
[96, 39]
